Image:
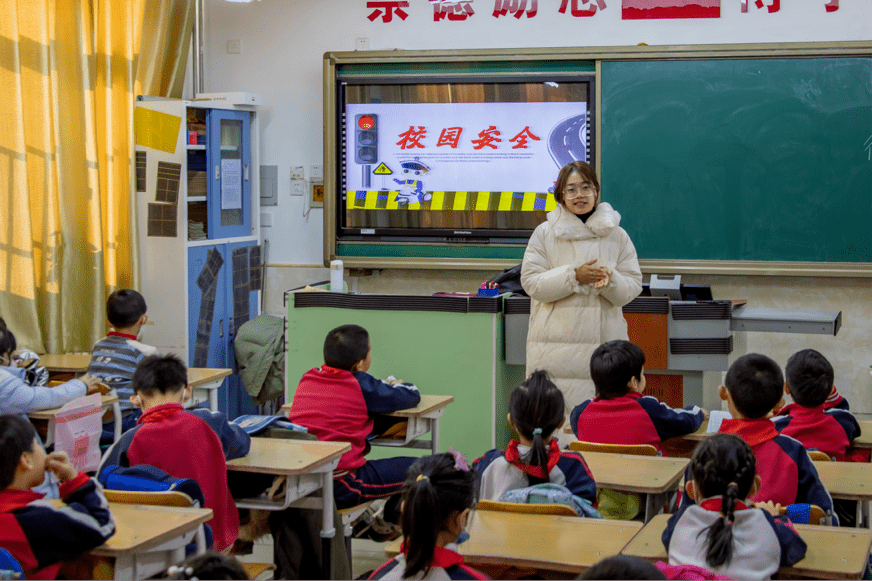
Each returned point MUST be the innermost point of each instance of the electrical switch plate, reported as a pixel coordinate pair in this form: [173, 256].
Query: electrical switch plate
[316, 194]
[234, 47]
[265, 219]
[297, 173]
[298, 187]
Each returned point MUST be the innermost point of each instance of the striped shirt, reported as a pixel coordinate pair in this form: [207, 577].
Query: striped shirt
[114, 359]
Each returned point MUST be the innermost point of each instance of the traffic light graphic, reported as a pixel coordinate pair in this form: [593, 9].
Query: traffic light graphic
[366, 138]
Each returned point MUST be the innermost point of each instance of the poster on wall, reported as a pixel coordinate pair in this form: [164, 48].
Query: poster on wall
[650, 9]
[416, 149]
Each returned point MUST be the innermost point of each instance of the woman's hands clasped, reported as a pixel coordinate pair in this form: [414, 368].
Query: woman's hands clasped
[598, 276]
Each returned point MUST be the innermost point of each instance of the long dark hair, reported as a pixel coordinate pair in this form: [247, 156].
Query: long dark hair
[723, 464]
[537, 409]
[433, 491]
[7, 339]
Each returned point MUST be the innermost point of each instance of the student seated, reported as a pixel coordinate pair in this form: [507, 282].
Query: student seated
[620, 414]
[754, 385]
[723, 532]
[193, 443]
[36, 533]
[536, 411]
[18, 396]
[336, 402]
[114, 357]
[809, 380]
[437, 498]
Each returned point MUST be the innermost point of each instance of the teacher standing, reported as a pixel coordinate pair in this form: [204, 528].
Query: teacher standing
[580, 268]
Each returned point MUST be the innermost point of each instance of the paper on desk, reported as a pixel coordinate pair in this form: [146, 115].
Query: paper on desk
[715, 419]
[77, 431]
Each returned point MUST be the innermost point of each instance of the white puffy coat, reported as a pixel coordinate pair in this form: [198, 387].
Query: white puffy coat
[569, 320]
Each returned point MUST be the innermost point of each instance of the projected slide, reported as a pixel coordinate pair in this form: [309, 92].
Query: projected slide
[483, 156]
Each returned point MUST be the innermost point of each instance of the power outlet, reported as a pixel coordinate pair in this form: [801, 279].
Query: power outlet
[234, 47]
[361, 43]
[298, 188]
[316, 172]
[297, 173]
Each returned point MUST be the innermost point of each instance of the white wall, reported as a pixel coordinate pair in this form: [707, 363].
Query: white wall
[283, 43]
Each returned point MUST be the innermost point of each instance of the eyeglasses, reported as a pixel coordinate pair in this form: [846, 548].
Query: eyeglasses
[585, 191]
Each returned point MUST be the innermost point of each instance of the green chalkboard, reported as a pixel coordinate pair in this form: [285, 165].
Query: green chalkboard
[760, 159]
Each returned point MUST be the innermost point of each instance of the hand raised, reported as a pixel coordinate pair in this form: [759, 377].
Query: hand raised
[59, 464]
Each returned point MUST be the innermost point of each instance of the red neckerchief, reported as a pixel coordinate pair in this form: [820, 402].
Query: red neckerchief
[714, 504]
[160, 412]
[752, 431]
[11, 499]
[125, 335]
[442, 557]
[629, 394]
[332, 370]
[534, 471]
[817, 411]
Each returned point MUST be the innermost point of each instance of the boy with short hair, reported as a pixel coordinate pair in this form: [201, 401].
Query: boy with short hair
[184, 443]
[336, 403]
[809, 379]
[620, 414]
[752, 387]
[36, 533]
[114, 358]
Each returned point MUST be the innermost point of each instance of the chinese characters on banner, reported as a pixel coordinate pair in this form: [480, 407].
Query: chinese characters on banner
[462, 10]
[464, 146]
[775, 5]
[450, 136]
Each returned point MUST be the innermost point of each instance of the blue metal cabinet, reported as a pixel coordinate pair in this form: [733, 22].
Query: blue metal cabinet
[228, 144]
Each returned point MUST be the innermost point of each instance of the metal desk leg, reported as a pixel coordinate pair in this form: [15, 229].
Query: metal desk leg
[116, 413]
[213, 399]
[327, 529]
[434, 428]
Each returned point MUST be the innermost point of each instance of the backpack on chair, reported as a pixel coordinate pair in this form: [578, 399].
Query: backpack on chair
[147, 478]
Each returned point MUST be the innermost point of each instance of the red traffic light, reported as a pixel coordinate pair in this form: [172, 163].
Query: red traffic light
[366, 122]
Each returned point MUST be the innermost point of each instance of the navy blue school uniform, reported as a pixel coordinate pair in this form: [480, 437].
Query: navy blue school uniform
[447, 564]
[632, 419]
[787, 473]
[829, 430]
[761, 543]
[337, 405]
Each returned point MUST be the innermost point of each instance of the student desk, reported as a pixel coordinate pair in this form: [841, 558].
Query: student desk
[422, 418]
[147, 539]
[849, 481]
[106, 401]
[862, 441]
[653, 476]
[833, 552]
[543, 542]
[204, 381]
[307, 466]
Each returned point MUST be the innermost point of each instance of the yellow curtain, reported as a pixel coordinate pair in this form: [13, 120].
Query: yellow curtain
[70, 71]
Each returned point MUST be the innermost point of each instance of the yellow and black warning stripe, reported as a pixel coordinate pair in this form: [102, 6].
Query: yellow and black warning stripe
[456, 201]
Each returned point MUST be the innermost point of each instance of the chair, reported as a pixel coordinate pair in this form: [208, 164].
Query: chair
[631, 449]
[10, 568]
[816, 515]
[817, 455]
[553, 509]
[614, 504]
[172, 498]
[258, 570]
